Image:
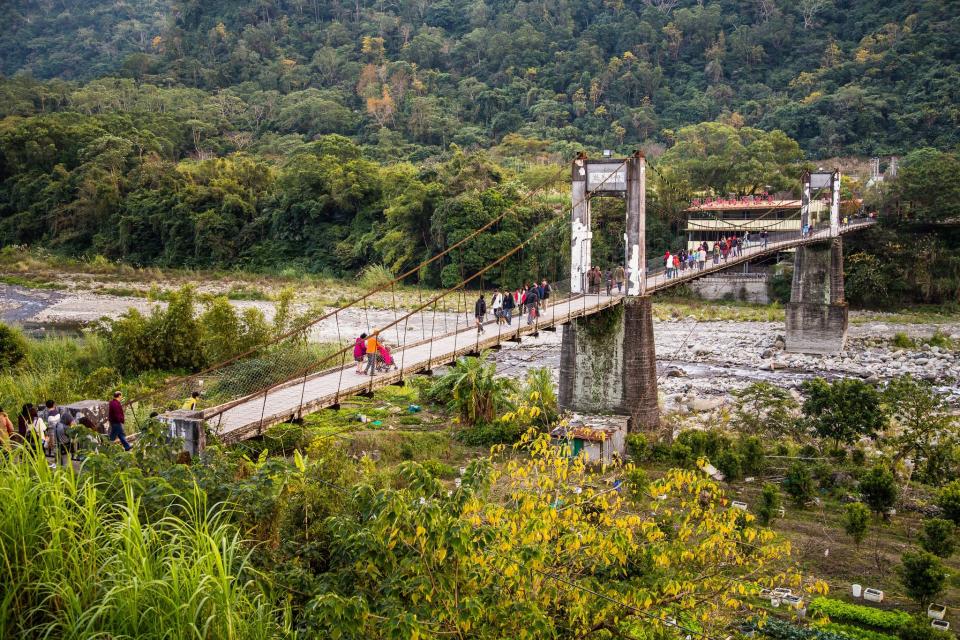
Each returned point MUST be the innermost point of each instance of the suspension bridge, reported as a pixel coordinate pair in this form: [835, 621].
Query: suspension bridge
[816, 297]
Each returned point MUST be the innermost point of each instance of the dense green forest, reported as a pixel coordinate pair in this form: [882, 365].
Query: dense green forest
[840, 77]
[322, 137]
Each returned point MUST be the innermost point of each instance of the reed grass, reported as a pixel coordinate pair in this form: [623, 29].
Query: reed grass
[78, 566]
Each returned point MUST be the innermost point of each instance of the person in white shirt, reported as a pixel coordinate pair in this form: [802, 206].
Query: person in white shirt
[497, 305]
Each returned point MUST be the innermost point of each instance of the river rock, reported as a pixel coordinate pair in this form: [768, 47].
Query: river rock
[676, 372]
[705, 404]
[767, 354]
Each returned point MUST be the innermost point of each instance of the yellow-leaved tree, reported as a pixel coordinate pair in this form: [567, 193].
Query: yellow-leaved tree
[534, 544]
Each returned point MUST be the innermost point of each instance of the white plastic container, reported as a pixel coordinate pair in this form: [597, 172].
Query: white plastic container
[937, 611]
[856, 590]
[736, 504]
[873, 595]
[940, 625]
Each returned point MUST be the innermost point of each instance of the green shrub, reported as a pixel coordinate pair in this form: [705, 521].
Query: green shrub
[439, 469]
[777, 629]
[902, 341]
[939, 537]
[769, 504]
[891, 620]
[13, 346]
[374, 276]
[798, 484]
[638, 447]
[485, 435]
[940, 339]
[752, 454]
[923, 576]
[284, 438]
[948, 499]
[682, 455]
[856, 519]
[919, 629]
[856, 633]
[731, 464]
[704, 443]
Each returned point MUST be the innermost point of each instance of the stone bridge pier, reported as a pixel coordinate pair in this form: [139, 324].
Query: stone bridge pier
[608, 364]
[817, 313]
[608, 361]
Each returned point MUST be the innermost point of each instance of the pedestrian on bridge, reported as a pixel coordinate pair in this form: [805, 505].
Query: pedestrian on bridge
[508, 306]
[716, 253]
[545, 291]
[531, 302]
[496, 304]
[764, 236]
[359, 351]
[618, 277]
[373, 348]
[480, 312]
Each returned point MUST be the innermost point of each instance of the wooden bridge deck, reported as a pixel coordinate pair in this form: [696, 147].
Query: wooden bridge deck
[248, 417]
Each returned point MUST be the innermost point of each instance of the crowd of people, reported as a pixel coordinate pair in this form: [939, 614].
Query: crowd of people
[720, 250]
[529, 300]
[372, 355]
[372, 350]
[59, 432]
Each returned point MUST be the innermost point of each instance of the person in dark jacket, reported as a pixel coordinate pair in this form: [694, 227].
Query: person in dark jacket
[508, 306]
[116, 419]
[479, 312]
[532, 300]
[544, 294]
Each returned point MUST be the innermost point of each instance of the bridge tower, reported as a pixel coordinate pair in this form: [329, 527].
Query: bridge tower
[817, 312]
[608, 360]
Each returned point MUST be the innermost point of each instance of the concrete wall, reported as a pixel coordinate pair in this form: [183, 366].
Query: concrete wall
[816, 316]
[608, 364]
[742, 287]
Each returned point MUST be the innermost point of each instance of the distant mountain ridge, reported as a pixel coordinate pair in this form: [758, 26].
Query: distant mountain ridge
[841, 77]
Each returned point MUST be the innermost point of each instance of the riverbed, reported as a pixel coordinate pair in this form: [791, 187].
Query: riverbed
[699, 363]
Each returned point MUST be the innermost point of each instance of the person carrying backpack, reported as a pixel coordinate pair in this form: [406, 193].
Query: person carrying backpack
[62, 442]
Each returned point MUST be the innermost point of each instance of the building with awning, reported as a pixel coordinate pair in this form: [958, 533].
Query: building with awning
[710, 219]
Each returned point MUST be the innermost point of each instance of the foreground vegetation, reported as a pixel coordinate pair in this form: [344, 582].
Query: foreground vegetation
[358, 523]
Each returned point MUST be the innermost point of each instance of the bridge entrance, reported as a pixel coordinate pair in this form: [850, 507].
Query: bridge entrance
[608, 360]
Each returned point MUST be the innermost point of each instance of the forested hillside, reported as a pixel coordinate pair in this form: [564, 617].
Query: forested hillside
[839, 76]
[322, 137]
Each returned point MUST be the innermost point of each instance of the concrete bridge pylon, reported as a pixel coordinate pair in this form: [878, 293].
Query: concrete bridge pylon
[817, 314]
[608, 360]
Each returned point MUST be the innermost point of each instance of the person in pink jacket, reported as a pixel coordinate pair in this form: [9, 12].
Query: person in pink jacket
[360, 351]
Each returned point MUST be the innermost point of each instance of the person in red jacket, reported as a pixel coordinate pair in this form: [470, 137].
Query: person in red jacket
[116, 419]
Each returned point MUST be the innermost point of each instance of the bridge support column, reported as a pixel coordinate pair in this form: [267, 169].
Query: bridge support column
[608, 364]
[817, 313]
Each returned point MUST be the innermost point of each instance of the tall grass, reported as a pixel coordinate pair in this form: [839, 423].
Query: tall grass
[77, 566]
[58, 368]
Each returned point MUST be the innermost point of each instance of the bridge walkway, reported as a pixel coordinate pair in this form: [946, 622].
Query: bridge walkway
[250, 416]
